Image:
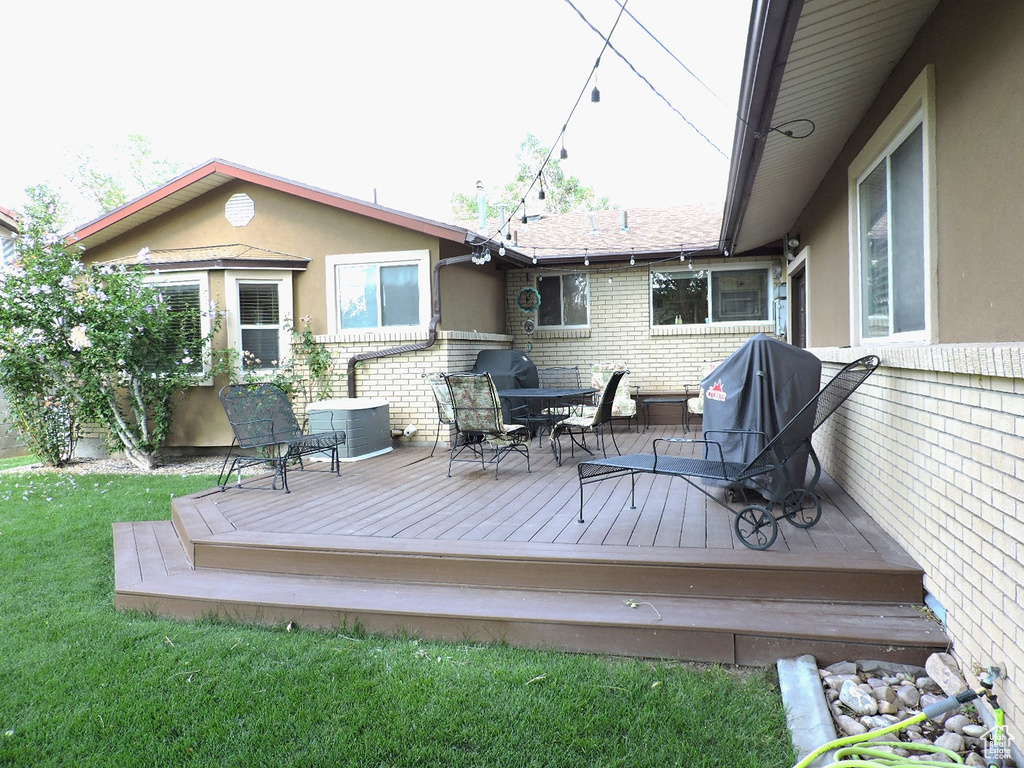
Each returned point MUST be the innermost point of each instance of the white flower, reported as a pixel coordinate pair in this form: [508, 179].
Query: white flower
[79, 339]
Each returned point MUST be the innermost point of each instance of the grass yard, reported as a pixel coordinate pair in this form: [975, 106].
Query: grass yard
[83, 685]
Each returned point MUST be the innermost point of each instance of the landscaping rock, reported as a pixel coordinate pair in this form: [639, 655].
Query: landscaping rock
[859, 701]
[842, 668]
[836, 681]
[884, 693]
[975, 760]
[928, 684]
[908, 695]
[956, 723]
[943, 669]
[954, 742]
[848, 726]
[974, 730]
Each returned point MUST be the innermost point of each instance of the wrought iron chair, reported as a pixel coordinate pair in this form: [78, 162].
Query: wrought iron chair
[262, 420]
[480, 430]
[624, 406]
[443, 399]
[559, 377]
[591, 420]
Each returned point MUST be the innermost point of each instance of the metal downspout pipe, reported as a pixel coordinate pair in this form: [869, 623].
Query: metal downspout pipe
[435, 289]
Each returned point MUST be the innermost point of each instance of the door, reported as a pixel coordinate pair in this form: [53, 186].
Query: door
[798, 309]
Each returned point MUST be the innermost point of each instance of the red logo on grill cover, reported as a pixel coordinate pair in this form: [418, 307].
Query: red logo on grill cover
[715, 392]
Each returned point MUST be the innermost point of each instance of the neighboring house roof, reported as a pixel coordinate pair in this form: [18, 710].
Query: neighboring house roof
[8, 219]
[807, 60]
[214, 257]
[614, 234]
[215, 173]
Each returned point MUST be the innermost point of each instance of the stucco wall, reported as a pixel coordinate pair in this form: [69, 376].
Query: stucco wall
[977, 51]
[10, 441]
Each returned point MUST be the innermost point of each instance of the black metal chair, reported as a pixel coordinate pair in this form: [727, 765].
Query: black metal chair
[480, 430]
[263, 421]
[592, 419]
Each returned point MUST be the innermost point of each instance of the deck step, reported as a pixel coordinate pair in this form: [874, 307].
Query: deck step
[153, 575]
[666, 571]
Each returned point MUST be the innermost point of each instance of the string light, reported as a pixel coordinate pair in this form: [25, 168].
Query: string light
[632, 258]
[563, 154]
[534, 255]
[586, 258]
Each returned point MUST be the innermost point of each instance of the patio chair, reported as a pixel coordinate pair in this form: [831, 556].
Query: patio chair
[695, 405]
[592, 419]
[443, 399]
[480, 430]
[559, 377]
[624, 406]
[263, 421]
[756, 525]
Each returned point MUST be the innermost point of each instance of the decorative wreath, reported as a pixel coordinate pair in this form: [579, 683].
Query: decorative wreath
[528, 300]
[529, 326]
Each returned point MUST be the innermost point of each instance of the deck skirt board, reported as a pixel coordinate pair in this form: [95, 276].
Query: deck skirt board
[395, 545]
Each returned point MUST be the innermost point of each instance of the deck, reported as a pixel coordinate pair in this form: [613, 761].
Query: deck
[394, 545]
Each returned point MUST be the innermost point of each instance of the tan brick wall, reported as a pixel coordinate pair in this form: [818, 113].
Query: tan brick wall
[663, 359]
[931, 447]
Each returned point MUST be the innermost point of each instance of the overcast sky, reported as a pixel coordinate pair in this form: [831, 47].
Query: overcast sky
[412, 99]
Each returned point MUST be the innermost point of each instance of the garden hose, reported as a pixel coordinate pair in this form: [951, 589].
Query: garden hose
[878, 759]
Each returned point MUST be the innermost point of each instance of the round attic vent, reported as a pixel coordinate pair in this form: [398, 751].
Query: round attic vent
[239, 210]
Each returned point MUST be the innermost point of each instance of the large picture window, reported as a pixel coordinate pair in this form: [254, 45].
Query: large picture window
[891, 240]
[564, 300]
[689, 297]
[384, 291]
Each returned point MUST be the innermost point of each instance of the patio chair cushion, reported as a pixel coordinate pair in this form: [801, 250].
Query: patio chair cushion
[696, 404]
[623, 406]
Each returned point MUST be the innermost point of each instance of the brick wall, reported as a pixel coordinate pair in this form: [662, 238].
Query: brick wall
[931, 447]
[663, 359]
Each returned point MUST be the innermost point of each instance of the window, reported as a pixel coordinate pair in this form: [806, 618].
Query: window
[260, 326]
[259, 306]
[378, 291]
[7, 251]
[187, 295]
[687, 297]
[564, 300]
[891, 209]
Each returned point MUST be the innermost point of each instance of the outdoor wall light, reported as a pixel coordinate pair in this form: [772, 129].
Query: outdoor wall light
[793, 242]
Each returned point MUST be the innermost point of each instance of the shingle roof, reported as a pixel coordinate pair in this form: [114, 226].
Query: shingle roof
[212, 256]
[618, 232]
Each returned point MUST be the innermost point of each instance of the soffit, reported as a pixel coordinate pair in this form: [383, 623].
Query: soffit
[843, 51]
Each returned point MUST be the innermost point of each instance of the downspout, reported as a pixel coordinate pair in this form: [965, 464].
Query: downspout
[435, 289]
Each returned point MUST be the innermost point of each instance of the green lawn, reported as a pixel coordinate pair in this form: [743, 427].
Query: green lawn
[84, 685]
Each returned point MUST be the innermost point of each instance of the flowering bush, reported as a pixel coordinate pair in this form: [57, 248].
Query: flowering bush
[91, 344]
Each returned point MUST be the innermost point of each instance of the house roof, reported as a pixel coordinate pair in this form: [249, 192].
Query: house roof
[8, 219]
[215, 173]
[236, 255]
[614, 234]
[811, 65]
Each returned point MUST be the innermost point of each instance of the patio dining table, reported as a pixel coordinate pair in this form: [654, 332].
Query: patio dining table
[540, 398]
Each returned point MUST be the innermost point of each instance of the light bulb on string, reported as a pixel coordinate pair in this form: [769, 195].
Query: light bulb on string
[586, 258]
[595, 95]
[534, 255]
[632, 258]
[501, 249]
[563, 154]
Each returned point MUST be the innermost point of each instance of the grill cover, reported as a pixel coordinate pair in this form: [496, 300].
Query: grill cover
[761, 386]
[510, 369]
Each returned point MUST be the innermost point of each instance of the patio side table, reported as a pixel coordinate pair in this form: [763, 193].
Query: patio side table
[680, 400]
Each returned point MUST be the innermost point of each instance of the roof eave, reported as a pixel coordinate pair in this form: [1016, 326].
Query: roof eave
[769, 39]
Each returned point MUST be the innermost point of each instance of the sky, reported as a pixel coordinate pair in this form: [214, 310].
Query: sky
[405, 102]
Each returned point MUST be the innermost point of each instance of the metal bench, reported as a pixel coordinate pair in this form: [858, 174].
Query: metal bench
[755, 524]
[262, 420]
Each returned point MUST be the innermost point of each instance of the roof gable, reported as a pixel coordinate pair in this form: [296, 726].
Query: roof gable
[215, 173]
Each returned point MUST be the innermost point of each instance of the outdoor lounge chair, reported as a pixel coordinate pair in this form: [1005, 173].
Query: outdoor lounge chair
[755, 524]
[480, 430]
[592, 419]
[263, 421]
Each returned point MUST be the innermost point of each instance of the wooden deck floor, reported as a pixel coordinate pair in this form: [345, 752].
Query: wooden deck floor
[406, 494]
[396, 545]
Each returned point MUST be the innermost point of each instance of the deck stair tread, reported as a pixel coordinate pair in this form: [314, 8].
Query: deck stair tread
[153, 576]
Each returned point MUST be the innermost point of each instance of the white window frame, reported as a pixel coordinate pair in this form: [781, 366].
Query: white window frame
[560, 275]
[764, 266]
[419, 258]
[915, 108]
[285, 303]
[202, 279]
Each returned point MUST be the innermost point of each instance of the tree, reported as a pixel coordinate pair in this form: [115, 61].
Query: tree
[109, 184]
[92, 344]
[562, 193]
